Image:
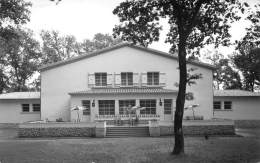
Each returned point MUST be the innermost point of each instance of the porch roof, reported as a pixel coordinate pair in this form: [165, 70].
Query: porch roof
[20, 95]
[124, 91]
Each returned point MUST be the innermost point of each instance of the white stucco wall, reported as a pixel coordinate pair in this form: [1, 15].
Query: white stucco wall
[11, 111]
[243, 108]
[57, 82]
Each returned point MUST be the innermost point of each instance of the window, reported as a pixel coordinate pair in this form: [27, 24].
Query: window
[150, 106]
[217, 105]
[36, 107]
[228, 105]
[127, 78]
[167, 106]
[25, 108]
[86, 105]
[123, 104]
[101, 79]
[106, 107]
[152, 78]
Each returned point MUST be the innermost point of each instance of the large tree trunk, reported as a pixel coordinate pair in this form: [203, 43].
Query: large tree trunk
[178, 132]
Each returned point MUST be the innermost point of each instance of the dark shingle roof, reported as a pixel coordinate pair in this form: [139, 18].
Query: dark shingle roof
[124, 91]
[235, 93]
[98, 52]
[20, 95]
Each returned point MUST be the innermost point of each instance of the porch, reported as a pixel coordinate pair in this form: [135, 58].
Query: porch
[113, 105]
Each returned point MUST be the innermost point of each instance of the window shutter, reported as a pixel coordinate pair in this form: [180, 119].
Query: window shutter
[144, 78]
[162, 79]
[91, 80]
[110, 79]
[135, 78]
[118, 79]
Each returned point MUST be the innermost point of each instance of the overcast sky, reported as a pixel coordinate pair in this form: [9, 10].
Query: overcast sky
[84, 18]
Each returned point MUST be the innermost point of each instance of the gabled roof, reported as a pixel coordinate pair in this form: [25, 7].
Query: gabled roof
[234, 92]
[124, 91]
[20, 95]
[98, 52]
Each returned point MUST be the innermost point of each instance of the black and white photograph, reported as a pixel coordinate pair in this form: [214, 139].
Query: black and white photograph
[129, 81]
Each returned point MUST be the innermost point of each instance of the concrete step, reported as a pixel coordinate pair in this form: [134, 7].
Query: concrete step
[127, 131]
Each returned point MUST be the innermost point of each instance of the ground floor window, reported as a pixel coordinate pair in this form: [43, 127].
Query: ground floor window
[217, 105]
[227, 105]
[167, 106]
[150, 106]
[124, 104]
[106, 107]
[36, 107]
[25, 107]
[86, 105]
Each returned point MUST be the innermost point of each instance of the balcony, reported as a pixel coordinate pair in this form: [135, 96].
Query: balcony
[115, 80]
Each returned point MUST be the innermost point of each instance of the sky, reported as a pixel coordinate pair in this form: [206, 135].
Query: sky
[85, 18]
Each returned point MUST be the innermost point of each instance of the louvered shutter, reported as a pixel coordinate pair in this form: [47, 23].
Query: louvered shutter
[91, 80]
[117, 79]
[136, 79]
[162, 79]
[144, 78]
[110, 79]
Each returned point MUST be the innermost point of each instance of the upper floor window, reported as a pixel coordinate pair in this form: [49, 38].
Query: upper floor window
[227, 105]
[36, 107]
[86, 105]
[152, 78]
[101, 79]
[25, 107]
[167, 106]
[127, 78]
[217, 105]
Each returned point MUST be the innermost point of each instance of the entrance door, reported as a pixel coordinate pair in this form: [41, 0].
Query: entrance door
[87, 111]
[168, 110]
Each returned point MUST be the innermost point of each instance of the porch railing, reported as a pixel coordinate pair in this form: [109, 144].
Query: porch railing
[126, 117]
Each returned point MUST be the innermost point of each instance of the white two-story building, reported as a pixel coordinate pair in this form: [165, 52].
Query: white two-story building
[109, 81]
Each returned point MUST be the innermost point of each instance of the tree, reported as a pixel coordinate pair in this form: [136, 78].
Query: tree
[225, 76]
[99, 41]
[193, 23]
[248, 62]
[57, 47]
[12, 13]
[247, 59]
[22, 56]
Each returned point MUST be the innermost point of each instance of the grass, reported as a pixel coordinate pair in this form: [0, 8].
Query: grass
[129, 150]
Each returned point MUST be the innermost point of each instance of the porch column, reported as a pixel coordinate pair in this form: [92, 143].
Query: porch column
[94, 109]
[159, 109]
[116, 107]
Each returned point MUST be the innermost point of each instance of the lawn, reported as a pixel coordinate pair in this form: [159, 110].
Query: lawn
[129, 150]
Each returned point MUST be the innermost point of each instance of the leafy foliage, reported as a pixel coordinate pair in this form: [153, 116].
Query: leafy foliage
[99, 41]
[12, 14]
[249, 64]
[22, 56]
[247, 60]
[57, 47]
[193, 23]
[225, 76]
